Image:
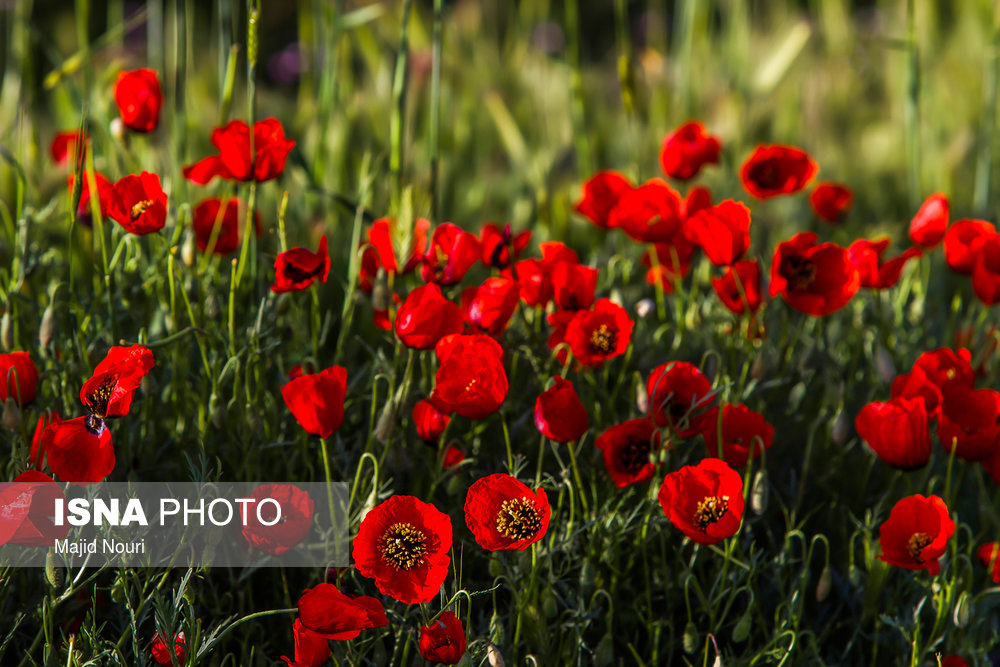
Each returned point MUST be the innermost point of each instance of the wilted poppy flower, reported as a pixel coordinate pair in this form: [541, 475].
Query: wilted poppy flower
[813, 279]
[18, 377]
[79, 450]
[452, 457]
[686, 150]
[986, 270]
[324, 610]
[298, 268]
[599, 334]
[470, 379]
[451, 254]
[296, 512]
[867, 256]
[776, 170]
[989, 555]
[897, 431]
[705, 501]
[559, 414]
[929, 224]
[139, 98]
[678, 395]
[916, 534]
[601, 193]
[403, 545]
[27, 510]
[65, 146]
[430, 421]
[443, 641]
[831, 201]
[504, 514]
[669, 261]
[426, 317]
[737, 296]
[497, 242]
[490, 306]
[317, 400]
[311, 649]
[161, 653]
[234, 162]
[104, 190]
[722, 231]
[961, 243]
[138, 203]
[651, 213]
[745, 434]
[626, 448]
[230, 222]
[109, 391]
[970, 422]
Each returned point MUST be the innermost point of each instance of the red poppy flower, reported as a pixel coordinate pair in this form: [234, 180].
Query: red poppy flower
[650, 213]
[504, 514]
[673, 261]
[79, 450]
[451, 254]
[324, 610]
[403, 545]
[989, 555]
[929, 224]
[470, 379]
[722, 231]
[678, 395]
[234, 162]
[317, 400]
[697, 199]
[535, 276]
[867, 256]
[556, 341]
[897, 431]
[452, 457]
[916, 384]
[916, 534]
[47, 417]
[953, 661]
[744, 434]
[109, 391]
[380, 251]
[961, 243]
[705, 502]
[970, 421]
[27, 515]
[599, 334]
[298, 268]
[737, 296]
[993, 467]
[138, 203]
[104, 190]
[601, 193]
[430, 421]
[627, 448]
[687, 149]
[947, 369]
[573, 286]
[559, 414]
[311, 649]
[297, 509]
[777, 170]
[986, 271]
[813, 279]
[230, 221]
[161, 654]
[426, 317]
[534, 280]
[554, 252]
[443, 641]
[498, 241]
[18, 378]
[831, 202]
[490, 306]
[139, 98]
[65, 145]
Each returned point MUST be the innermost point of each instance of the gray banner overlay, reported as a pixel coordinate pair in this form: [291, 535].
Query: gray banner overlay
[167, 524]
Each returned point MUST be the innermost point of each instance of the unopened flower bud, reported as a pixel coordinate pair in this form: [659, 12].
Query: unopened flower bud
[883, 363]
[7, 332]
[187, 251]
[47, 329]
[690, 639]
[824, 583]
[840, 429]
[963, 609]
[494, 657]
[11, 414]
[759, 493]
[643, 308]
[54, 573]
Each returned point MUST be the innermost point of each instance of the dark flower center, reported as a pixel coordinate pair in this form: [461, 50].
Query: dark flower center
[518, 519]
[916, 544]
[101, 395]
[710, 510]
[633, 456]
[603, 339]
[403, 546]
[297, 274]
[140, 208]
[767, 175]
[798, 271]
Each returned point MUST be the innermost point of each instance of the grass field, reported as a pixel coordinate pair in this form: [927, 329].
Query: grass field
[417, 114]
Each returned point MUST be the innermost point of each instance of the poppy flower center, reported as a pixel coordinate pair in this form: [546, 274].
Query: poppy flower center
[140, 207]
[100, 396]
[403, 546]
[710, 510]
[603, 339]
[518, 519]
[767, 175]
[297, 274]
[799, 271]
[633, 456]
[916, 544]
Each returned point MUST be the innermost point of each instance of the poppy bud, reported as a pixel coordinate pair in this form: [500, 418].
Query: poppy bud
[759, 493]
[840, 428]
[604, 654]
[386, 422]
[550, 606]
[643, 308]
[642, 398]
[963, 610]
[496, 630]
[11, 414]
[6, 332]
[496, 567]
[494, 657]
[212, 307]
[217, 410]
[690, 639]
[47, 329]
[187, 251]
[824, 583]
[117, 129]
[883, 362]
[53, 570]
[742, 630]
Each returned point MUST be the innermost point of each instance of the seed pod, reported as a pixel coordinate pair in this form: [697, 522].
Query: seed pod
[11, 414]
[47, 329]
[54, 573]
[742, 630]
[963, 610]
[690, 639]
[824, 583]
[759, 493]
[7, 332]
